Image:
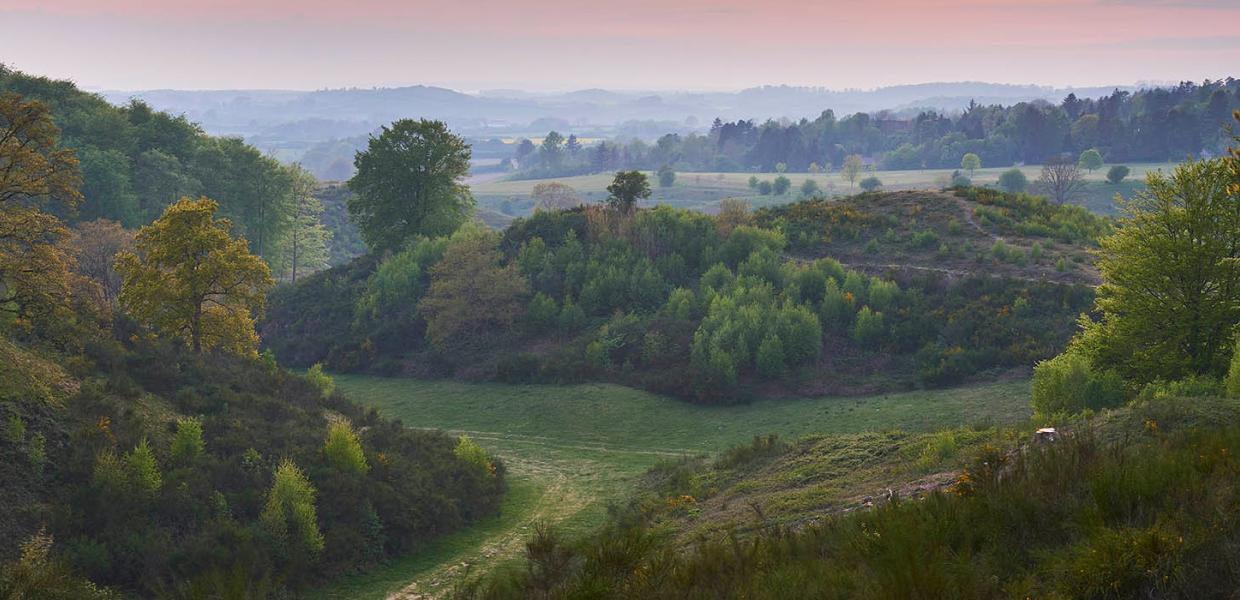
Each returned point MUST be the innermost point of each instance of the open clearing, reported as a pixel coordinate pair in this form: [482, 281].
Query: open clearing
[571, 450]
[703, 191]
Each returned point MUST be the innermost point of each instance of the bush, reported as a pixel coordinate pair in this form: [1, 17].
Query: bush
[765, 187]
[869, 328]
[781, 185]
[810, 188]
[1013, 181]
[1117, 174]
[187, 444]
[469, 451]
[770, 360]
[667, 177]
[870, 183]
[519, 367]
[1232, 382]
[320, 380]
[343, 450]
[542, 312]
[1067, 384]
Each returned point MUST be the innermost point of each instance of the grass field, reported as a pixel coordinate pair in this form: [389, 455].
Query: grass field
[571, 450]
[703, 191]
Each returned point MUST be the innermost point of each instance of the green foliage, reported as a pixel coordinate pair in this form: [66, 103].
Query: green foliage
[881, 295]
[572, 317]
[781, 185]
[1090, 160]
[770, 359]
[1013, 181]
[143, 470]
[320, 380]
[290, 515]
[809, 188]
[1232, 383]
[1068, 384]
[1159, 327]
[1116, 174]
[765, 188]
[409, 183]
[470, 452]
[343, 449]
[542, 312]
[401, 280]
[667, 177]
[869, 327]
[627, 189]
[187, 444]
[970, 162]
[870, 184]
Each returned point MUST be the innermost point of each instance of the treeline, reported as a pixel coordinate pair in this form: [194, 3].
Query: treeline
[145, 445]
[136, 161]
[1151, 125]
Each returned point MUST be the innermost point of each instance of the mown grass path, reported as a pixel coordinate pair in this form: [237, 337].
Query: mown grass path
[572, 450]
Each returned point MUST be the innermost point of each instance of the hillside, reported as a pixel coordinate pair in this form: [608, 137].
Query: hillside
[894, 290]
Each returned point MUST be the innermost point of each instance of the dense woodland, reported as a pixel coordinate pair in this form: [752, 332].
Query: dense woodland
[147, 449]
[1151, 125]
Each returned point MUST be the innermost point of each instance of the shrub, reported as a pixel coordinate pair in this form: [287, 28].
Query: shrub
[187, 444]
[924, 239]
[869, 328]
[1067, 384]
[469, 451]
[1013, 181]
[765, 187]
[572, 317]
[881, 294]
[290, 514]
[781, 185]
[667, 177]
[542, 312]
[770, 359]
[143, 470]
[343, 450]
[1197, 386]
[1117, 174]
[320, 380]
[518, 367]
[809, 188]
[870, 183]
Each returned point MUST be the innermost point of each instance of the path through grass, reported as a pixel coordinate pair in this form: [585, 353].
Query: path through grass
[571, 450]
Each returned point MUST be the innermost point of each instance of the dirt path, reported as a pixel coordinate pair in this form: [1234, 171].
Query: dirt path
[968, 217]
[558, 500]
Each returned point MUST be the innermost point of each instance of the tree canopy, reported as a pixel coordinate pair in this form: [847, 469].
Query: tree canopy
[409, 183]
[626, 189]
[190, 280]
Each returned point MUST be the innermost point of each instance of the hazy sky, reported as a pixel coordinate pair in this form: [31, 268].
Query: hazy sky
[664, 44]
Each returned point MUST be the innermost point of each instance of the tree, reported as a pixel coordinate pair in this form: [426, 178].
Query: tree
[781, 185]
[551, 152]
[1170, 297]
[667, 177]
[970, 162]
[1090, 160]
[809, 188]
[1061, 180]
[305, 249]
[765, 187]
[190, 280]
[289, 515]
[1013, 181]
[626, 189]
[870, 184]
[554, 195]
[852, 167]
[472, 297]
[409, 182]
[1117, 174]
[187, 445]
[95, 246]
[34, 173]
[525, 149]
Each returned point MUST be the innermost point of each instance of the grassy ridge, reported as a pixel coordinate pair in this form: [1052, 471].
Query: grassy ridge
[573, 450]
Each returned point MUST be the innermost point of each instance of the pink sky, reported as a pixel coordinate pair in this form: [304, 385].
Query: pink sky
[665, 44]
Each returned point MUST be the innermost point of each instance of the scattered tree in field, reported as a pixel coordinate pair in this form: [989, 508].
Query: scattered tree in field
[305, 249]
[190, 280]
[1090, 160]
[809, 188]
[667, 177]
[753, 182]
[781, 167]
[290, 515]
[870, 184]
[95, 246]
[971, 163]
[852, 167]
[554, 195]
[1156, 326]
[344, 450]
[409, 182]
[1013, 181]
[525, 150]
[814, 168]
[472, 297]
[551, 151]
[1116, 174]
[1061, 180]
[626, 189]
[34, 173]
[765, 188]
[781, 185]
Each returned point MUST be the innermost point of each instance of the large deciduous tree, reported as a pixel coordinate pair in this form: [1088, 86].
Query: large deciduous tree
[34, 174]
[190, 280]
[1170, 298]
[472, 297]
[95, 245]
[305, 244]
[626, 189]
[1061, 180]
[409, 182]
